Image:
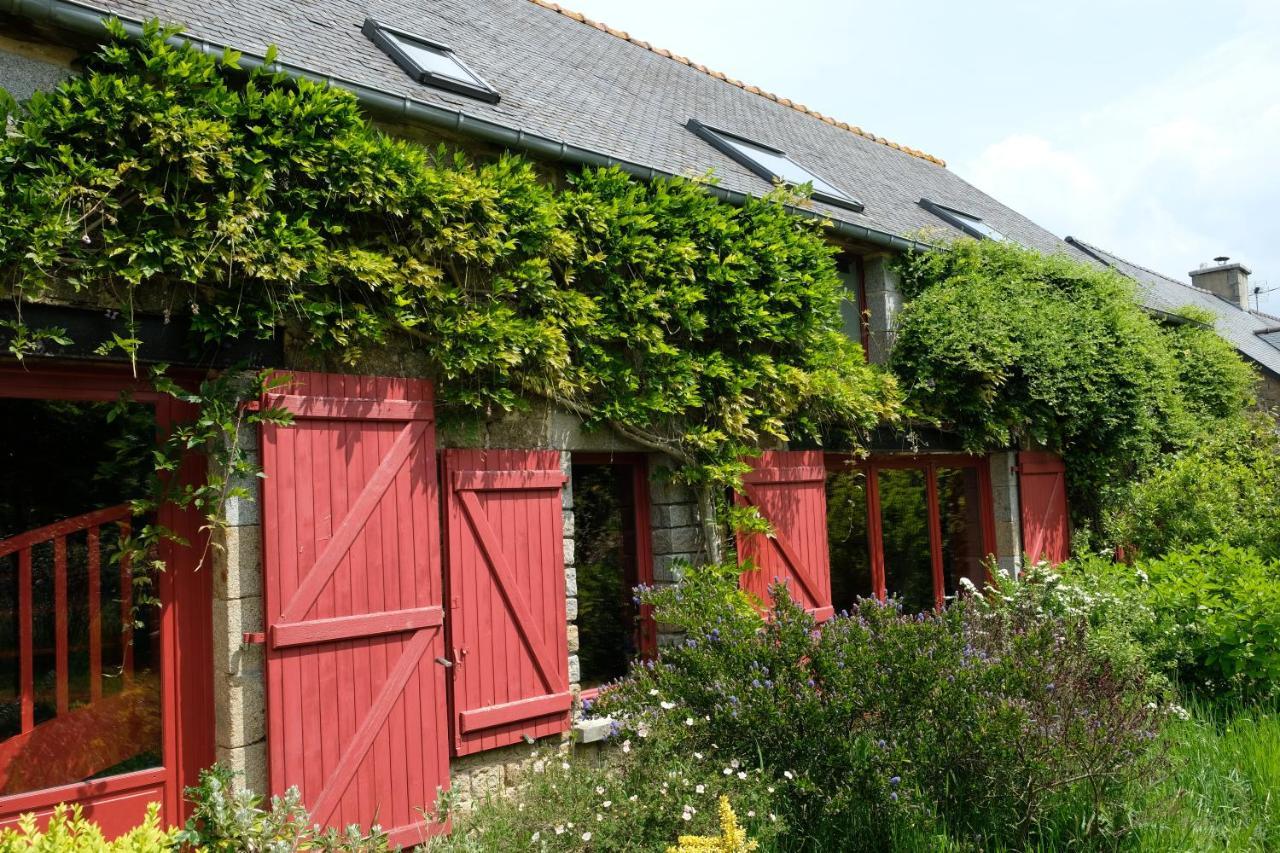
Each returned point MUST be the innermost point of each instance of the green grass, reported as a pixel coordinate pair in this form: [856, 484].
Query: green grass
[1223, 787]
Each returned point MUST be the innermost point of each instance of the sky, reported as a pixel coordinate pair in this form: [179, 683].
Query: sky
[1150, 129]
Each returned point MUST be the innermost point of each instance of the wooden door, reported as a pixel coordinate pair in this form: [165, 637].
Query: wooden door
[506, 596]
[789, 490]
[356, 694]
[1042, 492]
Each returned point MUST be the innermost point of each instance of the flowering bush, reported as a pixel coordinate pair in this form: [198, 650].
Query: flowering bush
[648, 790]
[1209, 615]
[985, 720]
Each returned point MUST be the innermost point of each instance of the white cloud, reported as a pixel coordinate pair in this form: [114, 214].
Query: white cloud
[1168, 176]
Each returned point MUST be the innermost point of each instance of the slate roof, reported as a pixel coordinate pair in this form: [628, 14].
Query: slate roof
[567, 78]
[1247, 330]
[578, 82]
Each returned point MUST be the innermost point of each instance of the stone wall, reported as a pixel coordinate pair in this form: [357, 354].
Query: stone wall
[239, 685]
[1005, 508]
[27, 67]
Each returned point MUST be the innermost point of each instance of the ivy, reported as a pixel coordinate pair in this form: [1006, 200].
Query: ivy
[1009, 347]
[259, 206]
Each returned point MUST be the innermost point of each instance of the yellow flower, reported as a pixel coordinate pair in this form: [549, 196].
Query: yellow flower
[732, 838]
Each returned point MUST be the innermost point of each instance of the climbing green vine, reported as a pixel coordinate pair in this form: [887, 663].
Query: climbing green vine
[1009, 347]
[257, 206]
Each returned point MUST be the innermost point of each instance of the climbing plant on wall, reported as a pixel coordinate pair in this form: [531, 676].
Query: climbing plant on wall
[1009, 346]
[165, 180]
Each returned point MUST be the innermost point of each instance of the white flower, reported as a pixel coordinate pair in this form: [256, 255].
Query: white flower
[600, 789]
[701, 789]
[607, 803]
[564, 765]
[686, 816]
[728, 771]
[698, 755]
[535, 836]
[734, 764]
[586, 836]
[770, 789]
[742, 774]
[559, 829]
[653, 692]
[667, 706]
[626, 746]
[642, 731]
[688, 721]
[633, 798]
[788, 774]
[751, 813]
[773, 817]
[599, 817]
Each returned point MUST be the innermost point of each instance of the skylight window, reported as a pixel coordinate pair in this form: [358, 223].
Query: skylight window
[429, 62]
[773, 165]
[968, 223]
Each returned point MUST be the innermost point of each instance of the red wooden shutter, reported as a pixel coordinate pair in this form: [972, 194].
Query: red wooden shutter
[506, 596]
[1042, 487]
[356, 700]
[789, 489]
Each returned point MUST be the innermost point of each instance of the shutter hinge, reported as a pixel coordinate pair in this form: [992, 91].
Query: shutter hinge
[255, 638]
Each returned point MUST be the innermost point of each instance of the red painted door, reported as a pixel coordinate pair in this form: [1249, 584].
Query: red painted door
[1042, 488]
[356, 698]
[506, 596]
[789, 490]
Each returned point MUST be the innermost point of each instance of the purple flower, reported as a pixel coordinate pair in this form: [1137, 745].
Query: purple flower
[894, 796]
[895, 781]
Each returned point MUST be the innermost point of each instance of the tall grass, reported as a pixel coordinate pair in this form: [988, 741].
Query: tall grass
[1222, 791]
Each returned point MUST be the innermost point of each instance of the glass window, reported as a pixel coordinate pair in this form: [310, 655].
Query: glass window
[972, 225]
[850, 549]
[429, 62]
[904, 522]
[87, 704]
[773, 164]
[606, 564]
[434, 60]
[961, 524]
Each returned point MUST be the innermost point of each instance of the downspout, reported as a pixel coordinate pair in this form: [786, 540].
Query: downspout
[87, 20]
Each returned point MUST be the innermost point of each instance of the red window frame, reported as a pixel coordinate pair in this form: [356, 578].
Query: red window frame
[638, 463]
[117, 803]
[929, 464]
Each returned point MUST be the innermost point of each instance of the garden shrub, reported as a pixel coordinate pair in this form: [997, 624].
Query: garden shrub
[1008, 346]
[642, 794]
[69, 831]
[1207, 615]
[1225, 488]
[982, 720]
[1222, 606]
[228, 818]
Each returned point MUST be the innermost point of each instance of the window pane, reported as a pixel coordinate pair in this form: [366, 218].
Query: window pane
[605, 562]
[978, 225]
[904, 518]
[783, 167]
[847, 538]
[435, 60]
[95, 678]
[960, 511]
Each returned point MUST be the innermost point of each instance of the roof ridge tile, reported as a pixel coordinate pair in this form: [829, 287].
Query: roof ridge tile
[720, 75]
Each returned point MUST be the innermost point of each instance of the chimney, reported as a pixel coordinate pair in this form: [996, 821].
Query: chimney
[1225, 279]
